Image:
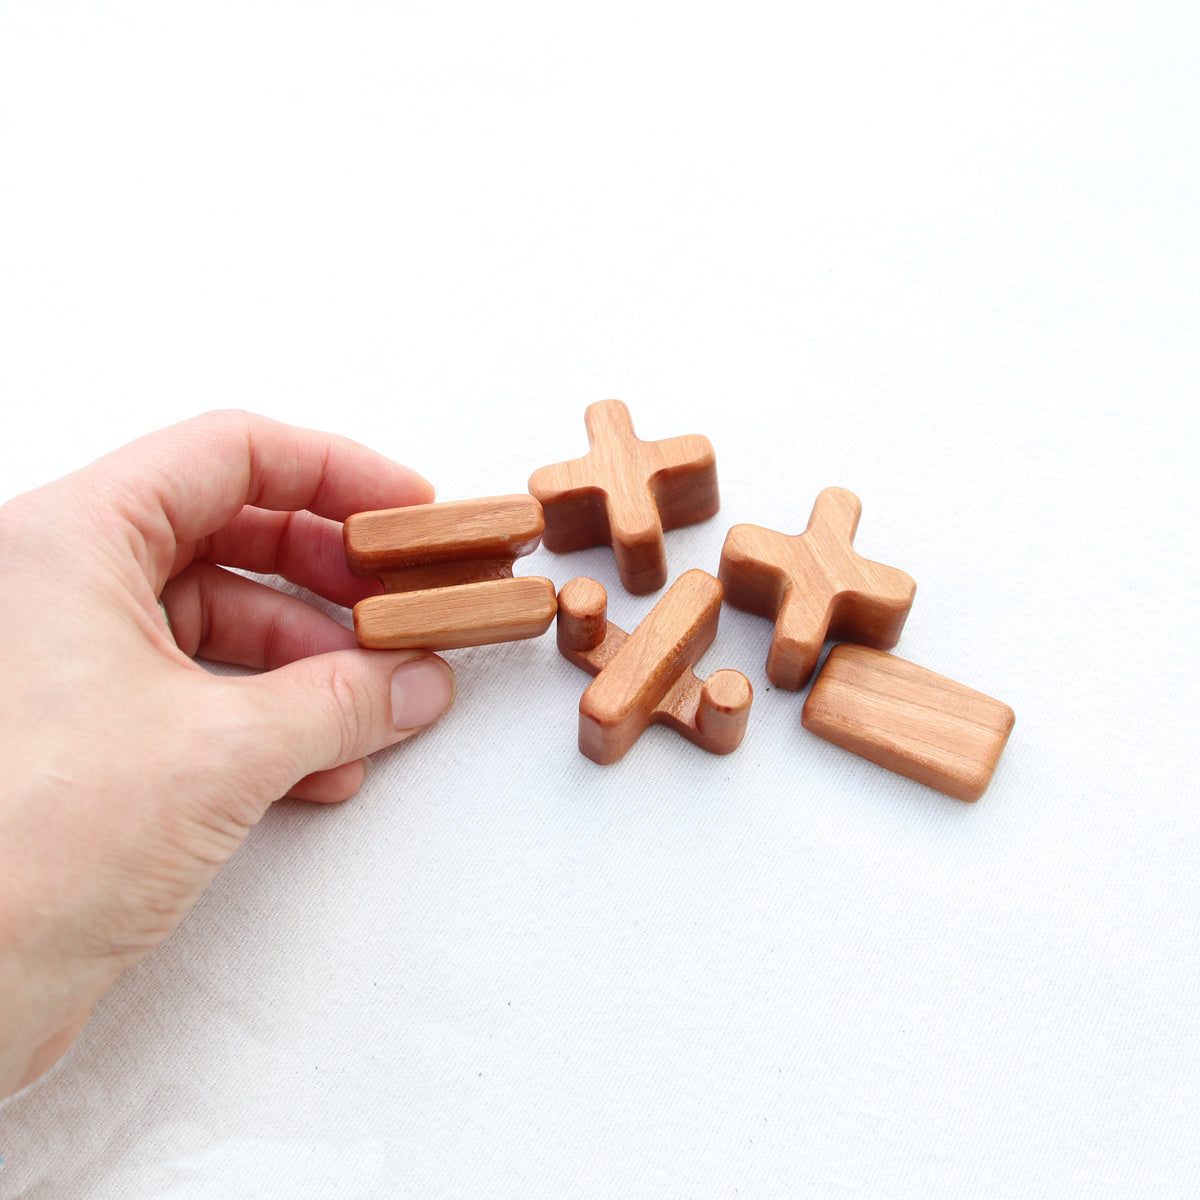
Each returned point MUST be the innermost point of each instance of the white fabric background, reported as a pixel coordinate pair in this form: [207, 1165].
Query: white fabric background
[943, 255]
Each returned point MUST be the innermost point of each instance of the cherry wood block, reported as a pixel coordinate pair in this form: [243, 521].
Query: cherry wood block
[625, 492]
[447, 573]
[435, 545]
[815, 587]
[645, 678]
[477, 614]
[908, 719]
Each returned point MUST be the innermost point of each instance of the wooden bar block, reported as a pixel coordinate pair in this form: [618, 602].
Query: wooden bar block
[476, 614]
[645, 678]
[456, 541]
[909, 720]
[625, 492]
[447, 572]
[815, 587]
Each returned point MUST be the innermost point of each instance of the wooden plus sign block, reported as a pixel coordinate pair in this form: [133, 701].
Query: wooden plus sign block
[645, 678]
[447, 572]
[814, 587]
[908, 719]
[624, 492]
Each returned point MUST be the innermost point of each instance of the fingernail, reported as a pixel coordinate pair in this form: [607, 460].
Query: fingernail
[421, 691]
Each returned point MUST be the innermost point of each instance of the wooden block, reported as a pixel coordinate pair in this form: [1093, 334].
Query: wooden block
[435, 545]
[624, 492]
[814, 587]
[447, 572]
[645, 678]
[477, 614]
[908, 719]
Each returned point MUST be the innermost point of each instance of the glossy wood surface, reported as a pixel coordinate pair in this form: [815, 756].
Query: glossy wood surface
[645, 678]
[908, 719]
[457, 541]
[473, 614]
[447, 572]
[815, 587]
[625, 492]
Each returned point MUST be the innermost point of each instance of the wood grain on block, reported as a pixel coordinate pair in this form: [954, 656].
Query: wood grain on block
[475, 614]
[645, 678]
[461, 535]
[815, 587]
[909, 719]
[625, 492]
[447, 574]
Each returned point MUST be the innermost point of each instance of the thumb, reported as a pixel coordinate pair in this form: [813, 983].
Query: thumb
[329, 709]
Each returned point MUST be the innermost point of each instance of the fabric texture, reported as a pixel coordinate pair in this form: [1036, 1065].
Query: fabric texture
[944, 259]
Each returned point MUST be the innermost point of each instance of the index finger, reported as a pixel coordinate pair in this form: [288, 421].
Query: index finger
[200, 473]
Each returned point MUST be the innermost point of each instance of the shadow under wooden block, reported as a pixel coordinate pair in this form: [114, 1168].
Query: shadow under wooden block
[447, 574]
[645, 678]
[815, 587]
[625, 492]
[908, 719]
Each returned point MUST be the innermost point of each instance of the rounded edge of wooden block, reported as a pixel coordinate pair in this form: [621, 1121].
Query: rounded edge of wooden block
[724, 710]
[642, 561]
[582, 614]
[508, 526]
[506, 610]
[604, 743]
[824, 718]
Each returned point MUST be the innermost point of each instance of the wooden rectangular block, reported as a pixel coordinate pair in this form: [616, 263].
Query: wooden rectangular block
[448, 618]
[909, 720]
[460, 537]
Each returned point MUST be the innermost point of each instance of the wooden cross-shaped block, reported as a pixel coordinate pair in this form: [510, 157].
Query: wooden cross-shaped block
[624, 492]
[447, 572]
[814, 587]
[645, 677]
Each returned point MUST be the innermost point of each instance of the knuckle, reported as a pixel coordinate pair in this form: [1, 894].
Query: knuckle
[353, 714]
[30, 526]
[226, 416]
[14, 520]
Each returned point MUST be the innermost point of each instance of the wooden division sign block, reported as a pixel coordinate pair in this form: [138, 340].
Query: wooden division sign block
[447, 574]
[646, 677]
[908, 719]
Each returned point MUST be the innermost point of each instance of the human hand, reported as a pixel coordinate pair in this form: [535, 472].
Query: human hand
[130, 773]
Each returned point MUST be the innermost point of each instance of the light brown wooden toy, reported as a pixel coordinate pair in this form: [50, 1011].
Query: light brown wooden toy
[908, 719]
[645, 678]
[447, 574]
[814, 587]
[624, 492]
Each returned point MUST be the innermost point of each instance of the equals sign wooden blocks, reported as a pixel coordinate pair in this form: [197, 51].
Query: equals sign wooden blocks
[646, 678]
[447, 573]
